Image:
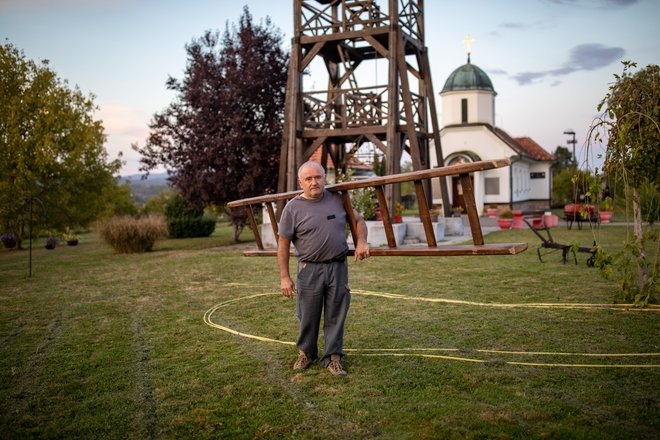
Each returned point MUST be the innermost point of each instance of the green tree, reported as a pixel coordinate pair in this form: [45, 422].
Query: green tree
[564, 160]
[51, 150]
[632, 125]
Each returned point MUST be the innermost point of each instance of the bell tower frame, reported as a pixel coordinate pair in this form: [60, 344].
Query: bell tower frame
[345, 37]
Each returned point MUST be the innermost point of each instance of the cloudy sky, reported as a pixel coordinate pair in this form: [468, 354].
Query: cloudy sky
[550, 61]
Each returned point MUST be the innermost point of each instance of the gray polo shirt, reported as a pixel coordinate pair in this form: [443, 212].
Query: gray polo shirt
[317, 228]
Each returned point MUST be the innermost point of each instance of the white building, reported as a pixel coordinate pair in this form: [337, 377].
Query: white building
[469, 134]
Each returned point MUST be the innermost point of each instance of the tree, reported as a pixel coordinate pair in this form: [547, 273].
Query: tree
[564, 160]
[51, 150]
[220, 138]
[632, 124]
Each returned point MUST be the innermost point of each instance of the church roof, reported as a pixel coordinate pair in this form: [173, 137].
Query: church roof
[468, 77]
[525, 146]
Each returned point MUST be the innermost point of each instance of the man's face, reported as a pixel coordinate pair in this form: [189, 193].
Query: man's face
[312, 181]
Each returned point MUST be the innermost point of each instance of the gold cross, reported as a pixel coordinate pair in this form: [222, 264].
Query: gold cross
[469, 41]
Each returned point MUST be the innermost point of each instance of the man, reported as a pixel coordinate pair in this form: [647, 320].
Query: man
[315, 222]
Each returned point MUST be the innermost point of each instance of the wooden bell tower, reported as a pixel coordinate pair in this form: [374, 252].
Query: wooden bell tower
[349, 39]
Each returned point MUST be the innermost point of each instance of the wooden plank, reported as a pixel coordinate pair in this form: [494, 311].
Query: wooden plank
[341, 36]
[444, 193]
[471, 208]
[423, 251]
[385, 180]
[351, 220]
[376, 45]
[253, 225]
[342, 132]
[407, 103]
[273, 221]
[385, 214]
[311, 54]
[424, 214]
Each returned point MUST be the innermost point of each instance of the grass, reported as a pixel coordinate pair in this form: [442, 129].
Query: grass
[97, 344]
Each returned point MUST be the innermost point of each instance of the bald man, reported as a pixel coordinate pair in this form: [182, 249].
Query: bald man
[315, 222]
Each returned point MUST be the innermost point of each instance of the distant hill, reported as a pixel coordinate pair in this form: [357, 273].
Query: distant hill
[143, 190]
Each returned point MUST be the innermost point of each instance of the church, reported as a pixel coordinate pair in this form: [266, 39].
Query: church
[469, 134]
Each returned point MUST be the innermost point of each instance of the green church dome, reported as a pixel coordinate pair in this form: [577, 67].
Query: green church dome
[468, 77]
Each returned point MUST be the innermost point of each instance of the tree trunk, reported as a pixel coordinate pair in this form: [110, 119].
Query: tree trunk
[642, 264]
[237, 229]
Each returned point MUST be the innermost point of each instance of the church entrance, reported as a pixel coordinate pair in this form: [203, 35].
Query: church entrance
[457, 192]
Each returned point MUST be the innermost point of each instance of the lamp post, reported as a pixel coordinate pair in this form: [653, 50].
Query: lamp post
[572, 141]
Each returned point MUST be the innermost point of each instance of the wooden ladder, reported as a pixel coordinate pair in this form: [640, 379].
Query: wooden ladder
[378, 183]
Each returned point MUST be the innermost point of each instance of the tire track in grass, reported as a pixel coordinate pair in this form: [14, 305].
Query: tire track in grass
[24, 395]
[144, 390]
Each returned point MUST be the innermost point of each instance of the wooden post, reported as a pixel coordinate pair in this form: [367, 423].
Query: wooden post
[385, 215]
[471, 208]
[253, 225]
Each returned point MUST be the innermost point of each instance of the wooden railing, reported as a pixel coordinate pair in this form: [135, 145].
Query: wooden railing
[378, 183]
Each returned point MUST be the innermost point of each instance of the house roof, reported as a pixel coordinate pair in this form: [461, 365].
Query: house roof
[524, 146]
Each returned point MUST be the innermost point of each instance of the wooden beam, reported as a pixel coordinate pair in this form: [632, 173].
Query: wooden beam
[385, 214]
[273, 221]
[351, 220]
[471, 208]
[376, 45]
[312, 148]
[453, 170]
[407, 105]
[253, 225]
[311, 54]
[426, 67]
[424, 214]
[423, 251]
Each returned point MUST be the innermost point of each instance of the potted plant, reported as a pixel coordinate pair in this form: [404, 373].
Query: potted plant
[605, 210]
[457, 211]
[505, 219]
[70, 238]
[398, 212]
[435, 214]
[51, 242]
[491, 211]
[9, 240]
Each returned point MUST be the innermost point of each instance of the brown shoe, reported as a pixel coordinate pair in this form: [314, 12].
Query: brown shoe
[303, 362]
[334, 367]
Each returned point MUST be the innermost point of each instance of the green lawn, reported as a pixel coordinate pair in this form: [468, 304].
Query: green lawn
[101, 345]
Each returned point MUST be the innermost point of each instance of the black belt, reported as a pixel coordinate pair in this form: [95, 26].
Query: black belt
[338, 259]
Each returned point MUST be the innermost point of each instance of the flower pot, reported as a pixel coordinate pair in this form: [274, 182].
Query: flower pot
[50, 246]
[492, 212]
[398, 219]
[73, 242]
[605, 216]
[518, 220]
[504, 223]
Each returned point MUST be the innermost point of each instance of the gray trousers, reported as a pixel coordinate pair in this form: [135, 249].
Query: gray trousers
[322, 287]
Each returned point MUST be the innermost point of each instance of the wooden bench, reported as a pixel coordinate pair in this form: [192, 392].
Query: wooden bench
[378, 183]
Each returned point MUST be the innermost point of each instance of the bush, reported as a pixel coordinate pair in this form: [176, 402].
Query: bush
[186, 227]
[185, 220]
[128, 235]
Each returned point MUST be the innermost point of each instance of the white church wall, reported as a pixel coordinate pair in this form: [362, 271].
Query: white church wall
[540, 176]
[520, 181]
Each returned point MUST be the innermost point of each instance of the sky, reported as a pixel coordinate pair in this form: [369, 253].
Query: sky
[551, 61]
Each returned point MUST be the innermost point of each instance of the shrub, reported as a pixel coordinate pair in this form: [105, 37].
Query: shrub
[9, 240]
[185, 227]
[185, 220]
[128, 235]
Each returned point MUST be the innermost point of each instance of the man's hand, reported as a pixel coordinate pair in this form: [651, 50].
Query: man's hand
[287, 286]
[361, 251]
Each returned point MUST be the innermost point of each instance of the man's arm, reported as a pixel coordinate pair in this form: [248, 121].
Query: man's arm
[286, 283]
[361, 247]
